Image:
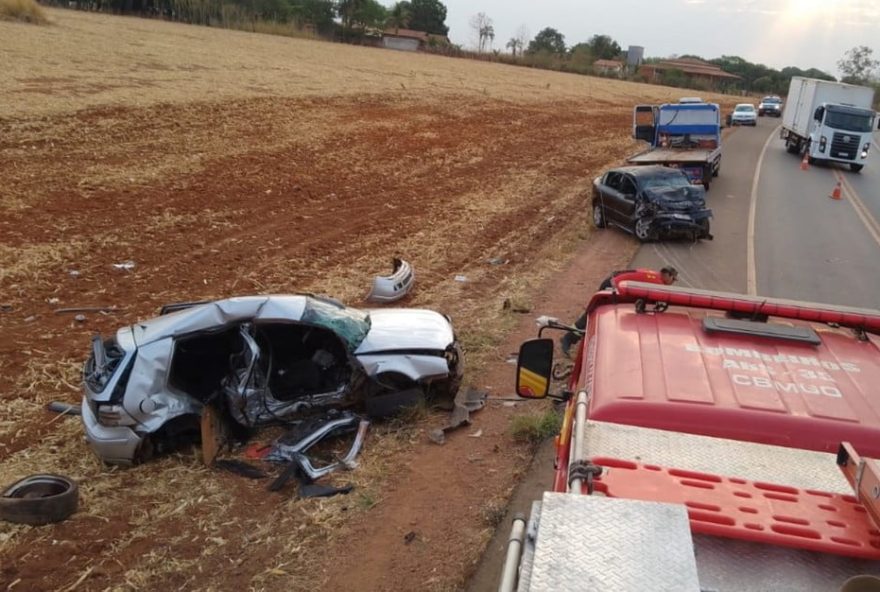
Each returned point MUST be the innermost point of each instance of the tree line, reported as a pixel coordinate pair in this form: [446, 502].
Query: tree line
[348, 19]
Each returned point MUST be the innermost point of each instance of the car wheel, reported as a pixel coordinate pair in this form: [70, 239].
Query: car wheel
[598, 216]
[643, 230]
[856, 167]
[39, 499]
[791, 147]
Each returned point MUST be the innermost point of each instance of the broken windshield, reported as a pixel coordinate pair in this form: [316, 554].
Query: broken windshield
[350, 324]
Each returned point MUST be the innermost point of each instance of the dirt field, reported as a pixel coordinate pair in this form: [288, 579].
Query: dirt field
[226, 163]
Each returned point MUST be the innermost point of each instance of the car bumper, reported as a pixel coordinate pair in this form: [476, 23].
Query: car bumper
[112, 444]
[680, 221]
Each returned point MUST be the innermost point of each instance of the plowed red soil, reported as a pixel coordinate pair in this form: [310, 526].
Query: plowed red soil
[210, 197]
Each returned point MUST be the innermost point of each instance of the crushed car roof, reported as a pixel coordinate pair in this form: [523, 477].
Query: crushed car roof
[281, 308]
[667, 371]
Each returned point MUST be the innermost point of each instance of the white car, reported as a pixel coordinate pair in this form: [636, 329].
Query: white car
[262, 360]
[744, 114]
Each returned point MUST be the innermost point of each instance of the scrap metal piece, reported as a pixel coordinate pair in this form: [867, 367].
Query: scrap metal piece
[347, 462]
[308, 433]
[466, 402]
[395, 286]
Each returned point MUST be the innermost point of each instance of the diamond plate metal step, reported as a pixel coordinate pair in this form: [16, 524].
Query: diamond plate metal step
[610, 545]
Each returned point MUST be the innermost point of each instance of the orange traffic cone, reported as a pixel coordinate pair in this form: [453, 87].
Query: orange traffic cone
[835, 193]
[805, 162]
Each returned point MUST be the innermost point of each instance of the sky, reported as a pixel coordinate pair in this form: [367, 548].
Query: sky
[777, 33]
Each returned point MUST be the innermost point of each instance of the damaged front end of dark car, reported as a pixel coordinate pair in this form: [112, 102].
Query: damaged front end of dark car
[667, 211]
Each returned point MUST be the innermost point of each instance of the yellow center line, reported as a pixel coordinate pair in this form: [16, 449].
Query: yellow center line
[859, 206]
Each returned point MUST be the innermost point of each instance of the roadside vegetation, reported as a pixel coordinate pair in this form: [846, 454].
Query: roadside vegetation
[534, 428]
[27, 11]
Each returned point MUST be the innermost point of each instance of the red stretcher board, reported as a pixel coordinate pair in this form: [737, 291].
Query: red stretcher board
[750, 511]
[664, 371]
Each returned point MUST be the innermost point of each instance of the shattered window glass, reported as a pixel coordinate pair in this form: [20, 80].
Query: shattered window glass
[351, 324]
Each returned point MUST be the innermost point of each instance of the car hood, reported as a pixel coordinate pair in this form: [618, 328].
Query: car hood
[676, 197]
[406, 329]
[745, 114]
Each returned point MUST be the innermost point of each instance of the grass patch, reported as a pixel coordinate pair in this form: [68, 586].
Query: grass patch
[535, 427]
[26, 11]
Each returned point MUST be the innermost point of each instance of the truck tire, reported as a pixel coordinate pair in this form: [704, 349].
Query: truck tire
[598, 216]
[792, 147]
[856, 168]
[39, 499]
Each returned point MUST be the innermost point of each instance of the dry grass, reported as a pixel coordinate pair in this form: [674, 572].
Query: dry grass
[27, 11]
[185, 62]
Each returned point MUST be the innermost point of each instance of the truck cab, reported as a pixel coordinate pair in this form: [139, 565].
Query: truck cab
[710, 441]
[841, 133]
[685, 135]
[830, 121]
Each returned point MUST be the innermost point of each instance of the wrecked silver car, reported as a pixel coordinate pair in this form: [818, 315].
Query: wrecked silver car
[266, 359]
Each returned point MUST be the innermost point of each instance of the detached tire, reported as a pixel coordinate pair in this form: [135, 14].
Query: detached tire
[39, 499]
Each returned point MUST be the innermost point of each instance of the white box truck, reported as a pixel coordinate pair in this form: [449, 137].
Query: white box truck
[828, 121]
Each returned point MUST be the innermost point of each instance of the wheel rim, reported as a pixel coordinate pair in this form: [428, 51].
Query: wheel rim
[642, 229]
[597, 215]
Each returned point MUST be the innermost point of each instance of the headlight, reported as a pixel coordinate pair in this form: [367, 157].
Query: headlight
[823, 141]
[865, 149]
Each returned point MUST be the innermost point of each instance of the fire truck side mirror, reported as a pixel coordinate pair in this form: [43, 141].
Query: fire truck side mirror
[534, 368]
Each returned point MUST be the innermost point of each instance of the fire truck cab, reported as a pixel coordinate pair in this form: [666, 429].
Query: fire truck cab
[710, 442]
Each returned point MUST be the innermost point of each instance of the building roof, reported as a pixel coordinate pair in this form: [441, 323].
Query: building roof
[608, 64]
[694, 67]
[406, 33]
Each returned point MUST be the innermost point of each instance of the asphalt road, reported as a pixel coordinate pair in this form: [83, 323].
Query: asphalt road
[806, 246]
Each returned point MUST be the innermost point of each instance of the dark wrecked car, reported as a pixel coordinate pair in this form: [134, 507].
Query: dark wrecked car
[651, 202]
[266, 359]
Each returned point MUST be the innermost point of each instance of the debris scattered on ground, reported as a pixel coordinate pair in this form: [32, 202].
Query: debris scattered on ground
[391, 288]
[84, 308]
[125, 265]
[409, 537]
[512, 306]
[461, 278]
[5, 308]
[498, 261]
[39, 499]
[240, 467]
[476, 434]
[64, 408]
[80, 318]
[318, 490]
[467, 401]
[74, 273]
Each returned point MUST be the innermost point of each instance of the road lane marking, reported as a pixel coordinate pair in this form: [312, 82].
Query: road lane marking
[859, 206]
[751, 277]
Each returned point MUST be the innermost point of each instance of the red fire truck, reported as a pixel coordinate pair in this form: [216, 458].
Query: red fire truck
[710, 442]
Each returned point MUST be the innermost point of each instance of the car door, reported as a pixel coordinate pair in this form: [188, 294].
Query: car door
[610, 196]
[628, 191]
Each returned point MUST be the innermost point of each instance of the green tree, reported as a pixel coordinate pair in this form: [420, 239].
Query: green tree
[400, 16]
[318, 13]
[581, 57]
[428, 16]
[604, 47]
[549, 40]
[858, 65]
[359, 15]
